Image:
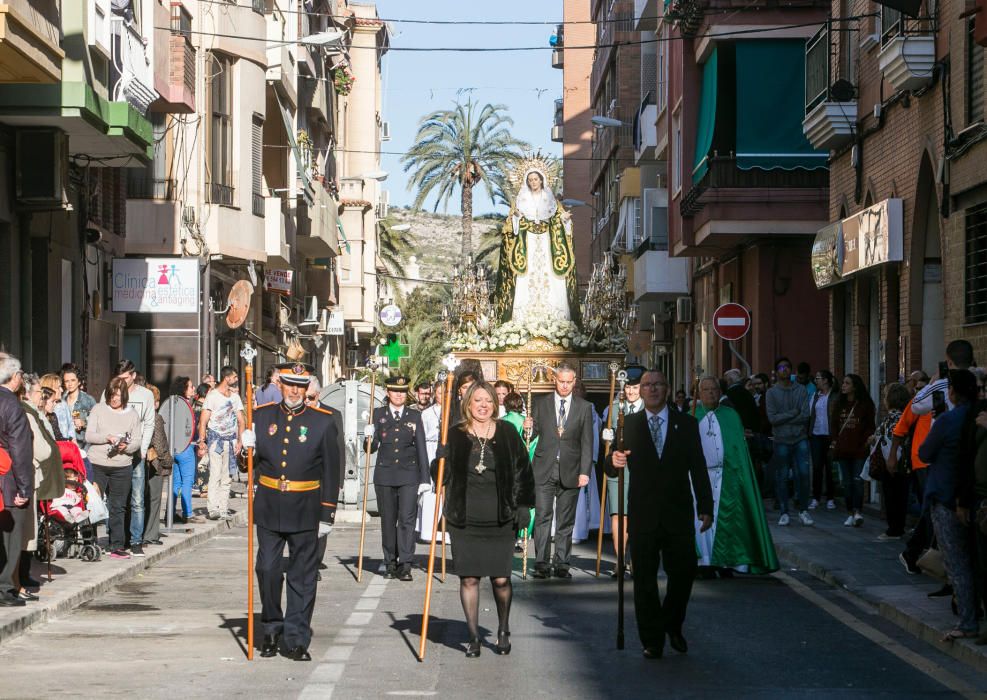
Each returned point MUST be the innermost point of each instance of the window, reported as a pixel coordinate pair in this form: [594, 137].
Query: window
[848, 44]
[220, 79]
[662, 81]
[976, 264]
[677, 154]
[974, 77]
[891, 24]
[257, 165]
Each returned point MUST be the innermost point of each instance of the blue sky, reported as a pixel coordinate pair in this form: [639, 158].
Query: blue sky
[416, 83]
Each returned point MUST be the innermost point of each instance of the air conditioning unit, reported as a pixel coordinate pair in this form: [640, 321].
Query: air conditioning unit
[42, 167]
[683, 310]
[385, 131]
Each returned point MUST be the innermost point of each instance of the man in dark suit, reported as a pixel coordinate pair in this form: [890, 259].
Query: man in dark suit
[563, 424]
[17, 484]
[397, 434]
[297, 471]
[662, 450]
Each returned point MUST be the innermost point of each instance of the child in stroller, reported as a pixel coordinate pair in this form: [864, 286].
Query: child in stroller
[66, 526]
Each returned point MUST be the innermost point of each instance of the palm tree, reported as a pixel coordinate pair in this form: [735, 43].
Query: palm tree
[461, 147]
[394, 249]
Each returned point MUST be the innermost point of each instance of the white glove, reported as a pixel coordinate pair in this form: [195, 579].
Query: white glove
[324, 529]
[424, 488]
[368, 431]
[248, 438]
[608, 434]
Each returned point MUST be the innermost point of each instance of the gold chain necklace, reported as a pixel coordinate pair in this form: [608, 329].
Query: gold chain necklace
[480, 467]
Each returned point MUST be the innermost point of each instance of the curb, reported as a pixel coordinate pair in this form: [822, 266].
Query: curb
[35, 615]
[962, 650]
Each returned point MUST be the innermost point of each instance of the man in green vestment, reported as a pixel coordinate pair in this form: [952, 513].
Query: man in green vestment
[739, 539]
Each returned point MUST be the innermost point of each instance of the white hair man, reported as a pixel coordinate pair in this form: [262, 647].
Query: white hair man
[17, 485]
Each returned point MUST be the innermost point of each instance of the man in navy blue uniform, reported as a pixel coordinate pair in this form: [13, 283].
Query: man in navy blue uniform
[296, 467]
[397, 435]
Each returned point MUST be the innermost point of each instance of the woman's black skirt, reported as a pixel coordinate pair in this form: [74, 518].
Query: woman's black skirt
[483, 551]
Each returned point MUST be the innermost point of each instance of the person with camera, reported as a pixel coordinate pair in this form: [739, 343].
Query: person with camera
[489, 488]
[113, 434]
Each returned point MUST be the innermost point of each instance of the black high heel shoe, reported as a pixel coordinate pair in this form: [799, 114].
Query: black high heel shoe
[503, 643]
[473, 648]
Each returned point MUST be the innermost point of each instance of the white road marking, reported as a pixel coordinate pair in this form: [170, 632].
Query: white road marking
[322, 682]
[913, 659]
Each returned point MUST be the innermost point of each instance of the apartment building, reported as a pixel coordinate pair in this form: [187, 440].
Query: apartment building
[219, 164]
[899, 103]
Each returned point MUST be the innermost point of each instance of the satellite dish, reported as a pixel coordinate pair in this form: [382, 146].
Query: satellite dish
[238, 303]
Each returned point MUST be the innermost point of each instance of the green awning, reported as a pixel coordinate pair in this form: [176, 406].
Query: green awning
[707, 118]
[346, 243]
[770, 108]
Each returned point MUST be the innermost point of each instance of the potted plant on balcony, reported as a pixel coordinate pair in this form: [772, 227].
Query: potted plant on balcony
[342, 80]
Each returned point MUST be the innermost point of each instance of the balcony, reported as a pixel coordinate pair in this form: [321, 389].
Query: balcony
[174, 60]
[143, 186]
[908, 50]
[646, 129]
[557, 133]
[275, 238]
[281, 73]
[608, 139]
[557, 58]
[131, 72]
[658, 276]
[558, 42]
[830, 106]
[30, 41]
[318, 227]
[646, 15]
[257, 206]
[220, 194]
[558, 120]
[723, 174]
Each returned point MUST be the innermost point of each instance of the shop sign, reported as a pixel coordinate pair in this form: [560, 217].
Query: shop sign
[278, 281]
[155, 285]
[869, 238]
[335, 326]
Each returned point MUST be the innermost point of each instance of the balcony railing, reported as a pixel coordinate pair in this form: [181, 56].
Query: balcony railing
[559, 107]
[606, 138]
[723, 173]
[257, 204]
[221, 194]
[142, 186]
[894, 24]
[818, 68]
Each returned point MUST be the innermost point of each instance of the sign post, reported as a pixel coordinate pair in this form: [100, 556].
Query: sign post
[731, 322]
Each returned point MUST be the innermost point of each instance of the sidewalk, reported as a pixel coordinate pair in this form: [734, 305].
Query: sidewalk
[854, 560]
[75, 582]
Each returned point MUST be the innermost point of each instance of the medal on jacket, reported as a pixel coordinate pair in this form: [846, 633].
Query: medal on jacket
[303, 433]
[272, 429]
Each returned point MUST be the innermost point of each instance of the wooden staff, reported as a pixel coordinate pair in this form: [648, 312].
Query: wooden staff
[527, 446]
[450, 362]
[611, 420]
[248, 353]
[622, 378]
[372, 366]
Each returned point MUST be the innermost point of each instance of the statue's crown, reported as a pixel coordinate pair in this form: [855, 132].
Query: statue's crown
[527, 163]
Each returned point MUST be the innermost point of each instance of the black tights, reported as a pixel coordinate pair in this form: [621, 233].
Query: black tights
[469, 594]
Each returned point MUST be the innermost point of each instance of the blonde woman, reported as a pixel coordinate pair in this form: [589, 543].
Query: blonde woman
[488, 485]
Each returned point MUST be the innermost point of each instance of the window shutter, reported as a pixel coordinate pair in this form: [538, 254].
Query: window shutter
[257, 154]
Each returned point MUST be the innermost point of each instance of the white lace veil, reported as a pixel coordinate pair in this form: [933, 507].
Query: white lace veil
[538, 206]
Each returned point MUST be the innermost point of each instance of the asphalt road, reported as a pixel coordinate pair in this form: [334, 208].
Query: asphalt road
[177, 631]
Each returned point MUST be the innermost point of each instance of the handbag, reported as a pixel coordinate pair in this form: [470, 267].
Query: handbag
[931, 562]
[878, 469]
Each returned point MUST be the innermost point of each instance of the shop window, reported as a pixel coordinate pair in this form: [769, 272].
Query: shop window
[976, 264]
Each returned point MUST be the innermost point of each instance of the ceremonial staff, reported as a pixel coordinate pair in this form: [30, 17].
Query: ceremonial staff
[621, 379]
[372, 367]
[611, 419]
[248, 354]
[446, 375]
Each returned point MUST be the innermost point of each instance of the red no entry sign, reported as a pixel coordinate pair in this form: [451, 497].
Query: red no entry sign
[731, 321]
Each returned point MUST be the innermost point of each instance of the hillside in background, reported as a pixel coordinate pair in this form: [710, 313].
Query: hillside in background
[437, 239]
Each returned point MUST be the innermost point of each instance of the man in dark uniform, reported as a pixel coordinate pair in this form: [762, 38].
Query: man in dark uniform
[297, 470]
[397, 434]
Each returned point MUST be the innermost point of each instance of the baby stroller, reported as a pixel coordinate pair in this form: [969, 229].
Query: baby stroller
[70, 532]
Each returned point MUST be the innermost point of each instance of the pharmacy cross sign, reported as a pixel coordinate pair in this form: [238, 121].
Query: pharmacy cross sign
[394, 350]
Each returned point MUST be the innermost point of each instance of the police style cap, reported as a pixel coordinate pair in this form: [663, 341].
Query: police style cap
[634, 374]
[295, 373]
[399, 383]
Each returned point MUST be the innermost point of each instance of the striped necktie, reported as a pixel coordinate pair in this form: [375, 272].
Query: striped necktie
[654, 422]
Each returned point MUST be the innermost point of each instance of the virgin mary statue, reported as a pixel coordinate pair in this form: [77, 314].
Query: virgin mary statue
[537, 264]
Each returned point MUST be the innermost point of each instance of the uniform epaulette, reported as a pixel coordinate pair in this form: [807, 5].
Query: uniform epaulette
[265, 405]
[328, 411]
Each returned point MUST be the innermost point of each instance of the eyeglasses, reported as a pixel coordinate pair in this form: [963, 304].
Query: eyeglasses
[652, 385]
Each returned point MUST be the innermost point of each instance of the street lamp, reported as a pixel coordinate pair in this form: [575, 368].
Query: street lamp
[323, 39]
[607, 122]
[401, 227]
[578, 203]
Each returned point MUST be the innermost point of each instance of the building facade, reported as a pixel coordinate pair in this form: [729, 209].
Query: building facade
[900, 105]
